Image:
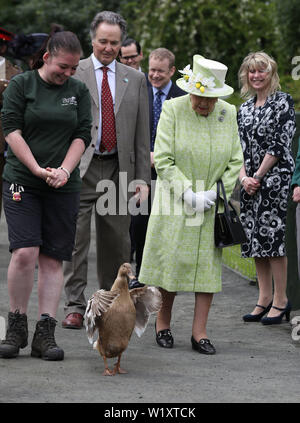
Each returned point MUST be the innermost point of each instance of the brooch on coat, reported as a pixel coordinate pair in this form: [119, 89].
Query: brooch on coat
[222, 115]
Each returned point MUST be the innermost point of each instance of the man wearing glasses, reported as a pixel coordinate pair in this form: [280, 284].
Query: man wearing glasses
[131, 53]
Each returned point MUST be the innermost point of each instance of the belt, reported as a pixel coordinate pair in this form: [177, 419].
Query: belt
[105, 156]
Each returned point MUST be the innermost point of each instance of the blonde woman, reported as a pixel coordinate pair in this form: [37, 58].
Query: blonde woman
[266, 126]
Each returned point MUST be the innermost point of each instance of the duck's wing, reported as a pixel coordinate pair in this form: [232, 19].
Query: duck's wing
[97, 305]
[147, 300]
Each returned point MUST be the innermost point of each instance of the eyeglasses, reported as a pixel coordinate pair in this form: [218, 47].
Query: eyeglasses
[129, 57]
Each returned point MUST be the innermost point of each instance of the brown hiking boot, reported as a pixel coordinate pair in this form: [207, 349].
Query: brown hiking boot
[43, 343]
[16, 335]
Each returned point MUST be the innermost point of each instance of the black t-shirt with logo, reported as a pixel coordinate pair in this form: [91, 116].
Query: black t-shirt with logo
[50, 118]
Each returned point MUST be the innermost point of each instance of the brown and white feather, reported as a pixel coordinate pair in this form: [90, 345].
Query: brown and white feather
[98, 304]
[147, 300]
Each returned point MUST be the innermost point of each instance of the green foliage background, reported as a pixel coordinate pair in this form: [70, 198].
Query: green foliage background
[224, 30]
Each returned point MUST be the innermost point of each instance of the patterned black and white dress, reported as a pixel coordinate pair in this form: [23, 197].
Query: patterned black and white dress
[267, 129]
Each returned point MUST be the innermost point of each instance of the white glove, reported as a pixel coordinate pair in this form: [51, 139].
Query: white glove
[211, 195]
[199, 201]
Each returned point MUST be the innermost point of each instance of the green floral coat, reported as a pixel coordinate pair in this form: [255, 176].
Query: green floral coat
[190, 151]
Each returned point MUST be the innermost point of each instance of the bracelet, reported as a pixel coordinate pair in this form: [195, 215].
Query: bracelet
[66, 171]
[243, 178]
[258, 178]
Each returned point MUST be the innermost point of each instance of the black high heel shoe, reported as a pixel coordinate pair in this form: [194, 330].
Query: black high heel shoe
[164, 338]
[278, 319]
[257, 317]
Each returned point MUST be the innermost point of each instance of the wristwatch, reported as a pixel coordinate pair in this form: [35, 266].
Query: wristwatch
[255, 176]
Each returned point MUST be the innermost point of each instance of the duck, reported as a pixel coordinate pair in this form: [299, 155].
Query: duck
[115, 314]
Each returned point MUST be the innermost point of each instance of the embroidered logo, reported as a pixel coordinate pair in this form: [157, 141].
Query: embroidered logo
[69, 101]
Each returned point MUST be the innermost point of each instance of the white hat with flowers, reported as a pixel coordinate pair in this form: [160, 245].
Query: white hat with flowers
[207, 78]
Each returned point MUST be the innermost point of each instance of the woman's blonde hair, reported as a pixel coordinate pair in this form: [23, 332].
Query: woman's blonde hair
[258, 60]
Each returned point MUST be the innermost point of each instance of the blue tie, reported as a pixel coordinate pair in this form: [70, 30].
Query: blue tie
[156, 114]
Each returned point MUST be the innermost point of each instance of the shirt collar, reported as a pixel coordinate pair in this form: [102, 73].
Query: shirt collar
[165, 89]
[97, 64]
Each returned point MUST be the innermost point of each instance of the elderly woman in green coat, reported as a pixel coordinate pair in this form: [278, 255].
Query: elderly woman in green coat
[197, 144]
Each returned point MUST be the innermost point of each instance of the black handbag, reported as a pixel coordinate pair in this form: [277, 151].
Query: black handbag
[228, 228]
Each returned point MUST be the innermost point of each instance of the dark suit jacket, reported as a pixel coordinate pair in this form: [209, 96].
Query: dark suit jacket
[174, 91]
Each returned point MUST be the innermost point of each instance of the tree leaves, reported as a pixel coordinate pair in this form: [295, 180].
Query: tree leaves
[222, 30]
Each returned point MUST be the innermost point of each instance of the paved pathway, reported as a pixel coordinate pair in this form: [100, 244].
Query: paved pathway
[253, 364]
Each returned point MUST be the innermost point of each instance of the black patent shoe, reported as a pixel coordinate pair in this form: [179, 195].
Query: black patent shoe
[257, 317]
[135, 283]
[164, 338]
[204, 346]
